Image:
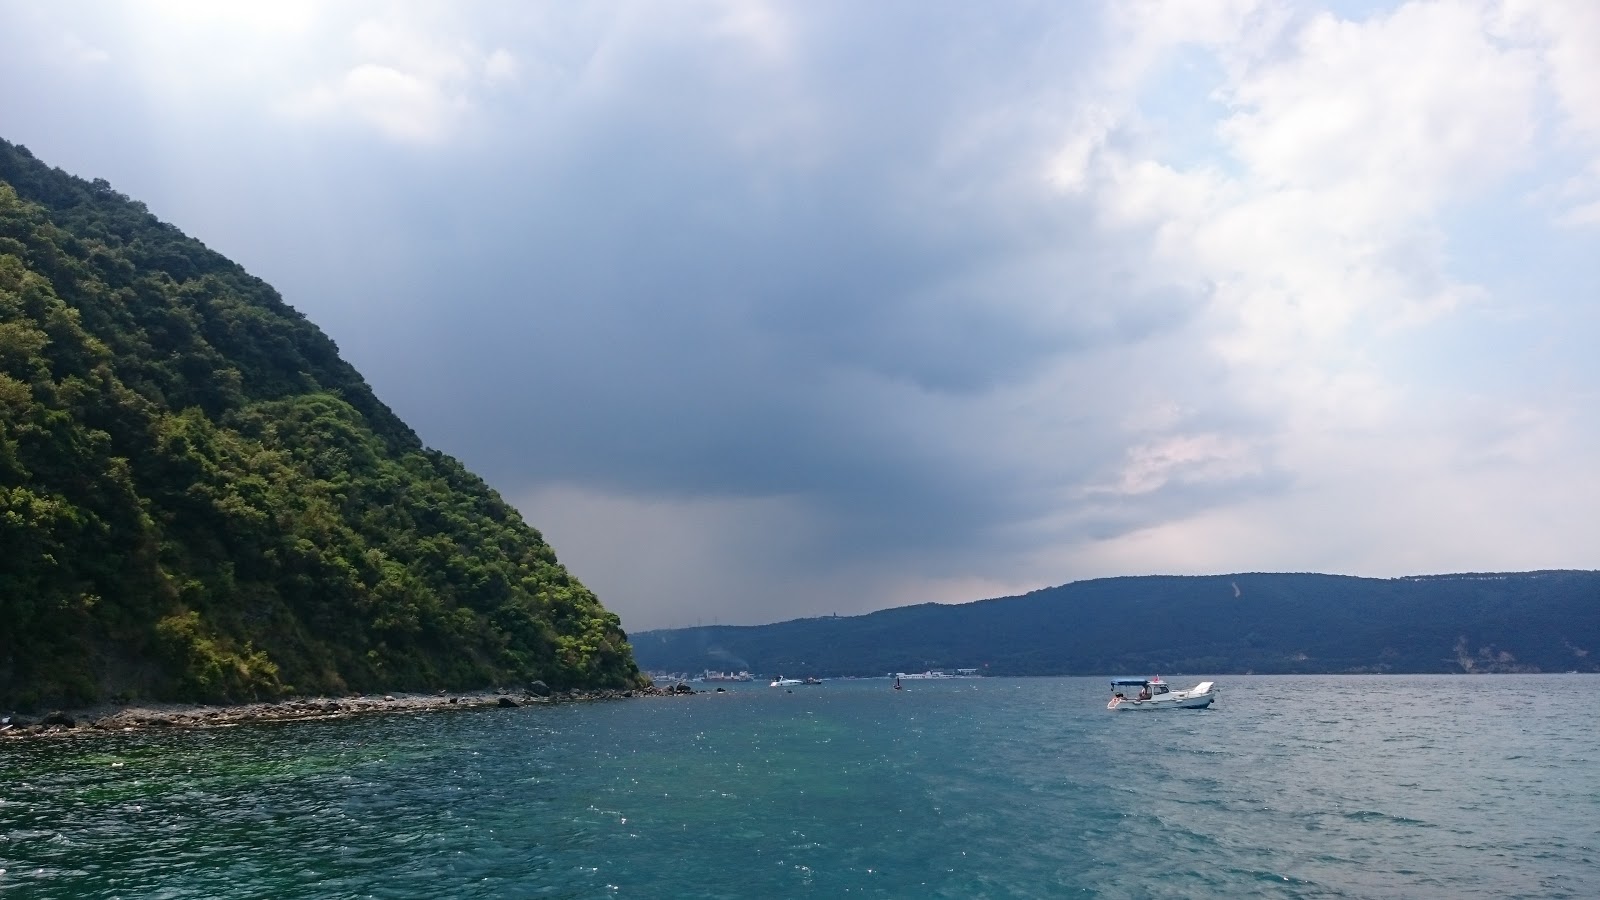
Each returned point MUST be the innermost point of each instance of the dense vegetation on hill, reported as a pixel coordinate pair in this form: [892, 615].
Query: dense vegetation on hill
[1524, 622]
[200, 500]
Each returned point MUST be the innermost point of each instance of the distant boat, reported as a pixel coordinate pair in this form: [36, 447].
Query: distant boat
[812, 680]
[785, 682]
[1156, 694]
[897, 685]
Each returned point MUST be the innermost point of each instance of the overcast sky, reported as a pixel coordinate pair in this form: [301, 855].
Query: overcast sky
[767, 310]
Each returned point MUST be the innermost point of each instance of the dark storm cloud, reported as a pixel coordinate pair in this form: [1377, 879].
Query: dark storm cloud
[787, 264]
[661, 308]
[767, 310]
[634, 348]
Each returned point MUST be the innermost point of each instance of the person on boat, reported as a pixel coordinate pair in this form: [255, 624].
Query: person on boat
[1144, 692]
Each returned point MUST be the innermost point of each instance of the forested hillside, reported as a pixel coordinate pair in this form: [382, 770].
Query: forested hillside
[1262, 623]
[200, 500]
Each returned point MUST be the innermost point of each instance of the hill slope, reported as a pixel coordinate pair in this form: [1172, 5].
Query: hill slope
[1263, 623]
[200, 500]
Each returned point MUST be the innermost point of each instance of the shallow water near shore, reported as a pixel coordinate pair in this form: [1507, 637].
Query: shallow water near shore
[1327, 786]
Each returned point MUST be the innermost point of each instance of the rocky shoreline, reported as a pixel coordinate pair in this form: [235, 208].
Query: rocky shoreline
[114, 718]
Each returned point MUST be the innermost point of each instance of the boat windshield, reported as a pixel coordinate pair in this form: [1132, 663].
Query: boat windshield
[1148, 687]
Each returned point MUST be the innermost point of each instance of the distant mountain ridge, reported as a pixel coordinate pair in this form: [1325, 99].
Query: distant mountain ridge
[200, 500]
[1263, 623]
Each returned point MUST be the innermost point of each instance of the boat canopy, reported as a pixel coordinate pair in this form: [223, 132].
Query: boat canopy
[1130, 682]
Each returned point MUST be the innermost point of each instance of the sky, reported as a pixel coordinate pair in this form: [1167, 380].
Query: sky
[768, 310]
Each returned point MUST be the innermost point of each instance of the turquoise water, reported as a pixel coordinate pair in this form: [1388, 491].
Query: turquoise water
[1289, 787]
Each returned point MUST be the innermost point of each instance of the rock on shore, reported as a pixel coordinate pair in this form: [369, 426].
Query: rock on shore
[113, 718]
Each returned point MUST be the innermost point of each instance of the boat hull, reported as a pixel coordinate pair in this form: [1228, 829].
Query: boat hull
[1195, 699]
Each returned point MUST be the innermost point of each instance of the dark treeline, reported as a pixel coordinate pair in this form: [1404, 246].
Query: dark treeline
[1223, 624]
[200, 500]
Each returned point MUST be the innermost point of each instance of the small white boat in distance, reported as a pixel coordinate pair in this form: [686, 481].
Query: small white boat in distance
[785, 682]
[1154, 693]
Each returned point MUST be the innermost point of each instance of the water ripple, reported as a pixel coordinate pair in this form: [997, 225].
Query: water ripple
[1290, 787]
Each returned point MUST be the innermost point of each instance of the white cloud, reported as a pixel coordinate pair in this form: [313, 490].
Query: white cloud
[280, 17]
[1144, 34]
[1345, 142]
[1315, 223]
[425, 54]
[1071, 168]
[1380, 505]
[399, 104]
[1566, 36]
[77, 51]
[1405, 109]
[1197, 458]
[413, 81]
[501, 67]
[758, 25]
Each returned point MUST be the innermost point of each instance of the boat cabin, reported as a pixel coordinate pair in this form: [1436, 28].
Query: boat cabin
[1138, 688]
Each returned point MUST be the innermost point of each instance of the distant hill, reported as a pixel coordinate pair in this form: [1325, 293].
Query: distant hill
[200, 500]
[1220, 624]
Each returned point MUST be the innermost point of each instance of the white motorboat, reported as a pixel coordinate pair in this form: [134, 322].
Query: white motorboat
[1154, 693]
[785, 682]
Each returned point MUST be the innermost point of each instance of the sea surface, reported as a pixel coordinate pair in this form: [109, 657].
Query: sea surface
[1327, 786]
